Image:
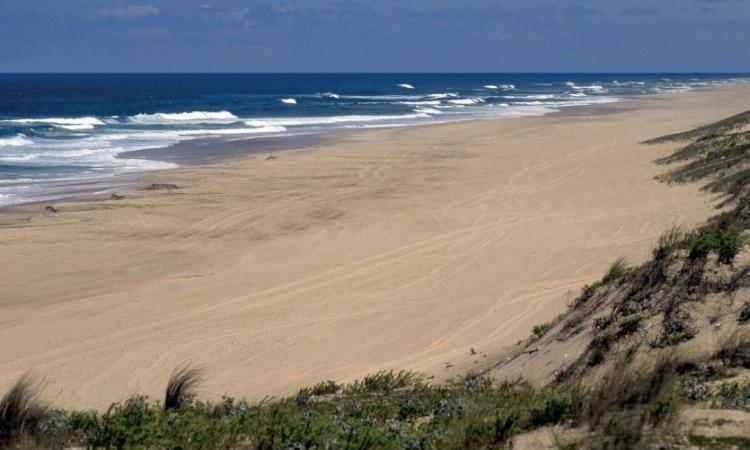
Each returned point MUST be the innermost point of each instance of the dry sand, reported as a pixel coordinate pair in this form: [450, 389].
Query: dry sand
[396, 248]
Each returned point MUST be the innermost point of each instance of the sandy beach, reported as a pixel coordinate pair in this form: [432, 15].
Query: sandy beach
[386, 249]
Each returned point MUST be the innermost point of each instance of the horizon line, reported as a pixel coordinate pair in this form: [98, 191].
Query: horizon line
[372, 73]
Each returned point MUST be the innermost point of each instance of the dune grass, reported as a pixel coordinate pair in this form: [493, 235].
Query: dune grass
[21, 410]
[181, 387]
[708, 131]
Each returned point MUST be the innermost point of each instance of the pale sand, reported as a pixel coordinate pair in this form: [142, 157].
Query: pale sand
[398, 248]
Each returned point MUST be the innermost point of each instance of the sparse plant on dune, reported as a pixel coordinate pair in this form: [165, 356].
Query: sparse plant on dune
[541, 329]
[623, 403]
[668, 242]
[181, 387]
[734, 349]
[386, 381]
[617, 270]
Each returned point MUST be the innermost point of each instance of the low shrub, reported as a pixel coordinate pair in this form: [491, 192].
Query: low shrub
[725, 243]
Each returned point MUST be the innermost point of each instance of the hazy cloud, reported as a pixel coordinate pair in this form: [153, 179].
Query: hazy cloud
[125, 13]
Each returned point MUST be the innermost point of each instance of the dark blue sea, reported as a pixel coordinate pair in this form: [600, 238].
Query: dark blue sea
[61, 130]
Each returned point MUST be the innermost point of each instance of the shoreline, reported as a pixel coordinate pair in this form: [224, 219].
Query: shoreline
[389, 248]
[193, 152]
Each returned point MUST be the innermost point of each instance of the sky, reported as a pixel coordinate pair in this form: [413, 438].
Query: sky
[375, 36]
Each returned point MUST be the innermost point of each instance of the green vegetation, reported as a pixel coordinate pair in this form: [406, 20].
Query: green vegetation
[725, 243]
[719, 442]
[388, 410]
[385, 410]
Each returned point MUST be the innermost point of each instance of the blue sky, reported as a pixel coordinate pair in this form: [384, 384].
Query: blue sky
[375, 35]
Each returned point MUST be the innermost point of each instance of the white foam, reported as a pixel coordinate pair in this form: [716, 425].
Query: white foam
[514, 111]
[593, 88]
[330, 95]
[329, 120]
[289, 101]
[231, 131]
[59, 121]
[443, 95]
[405, 86]
[492, 87]
[424, 103]
[560, 104]
[532, 96]
[466, 101]
[507, 87]
[193, 116]
[427, 111]
[84, 126]
[18, 140]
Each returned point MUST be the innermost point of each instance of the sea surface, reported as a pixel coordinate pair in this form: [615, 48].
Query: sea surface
[62, 134]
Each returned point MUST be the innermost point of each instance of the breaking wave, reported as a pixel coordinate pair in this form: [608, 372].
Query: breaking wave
[194, 116]
[18, 140]
[69, 121]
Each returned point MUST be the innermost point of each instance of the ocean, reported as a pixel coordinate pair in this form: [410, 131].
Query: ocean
[62, 134]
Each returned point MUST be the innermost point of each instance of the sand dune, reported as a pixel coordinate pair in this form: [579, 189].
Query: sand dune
[395, 248]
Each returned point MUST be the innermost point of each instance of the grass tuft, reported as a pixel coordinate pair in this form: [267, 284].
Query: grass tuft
[21, 411]
[181, 387]
[668, 242]
[734, 349]
[541, 329]
[387, 381]
[617, 270]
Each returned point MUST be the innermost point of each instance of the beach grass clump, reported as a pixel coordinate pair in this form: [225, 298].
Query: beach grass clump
[181, 387]
[668, 242]
[617, 270]
[541, 329]
[623, 403]
[21, 410]
[386, 381]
